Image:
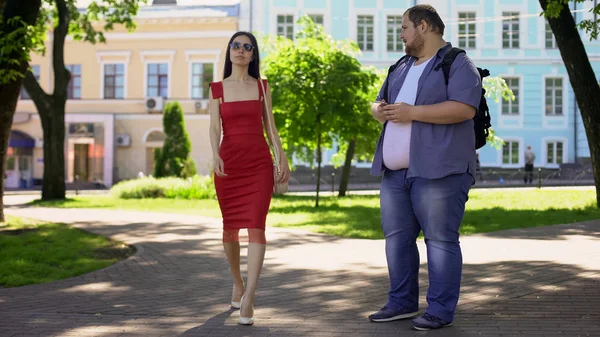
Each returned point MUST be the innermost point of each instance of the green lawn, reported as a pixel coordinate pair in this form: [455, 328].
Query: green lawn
[37, 252]
[358, 216]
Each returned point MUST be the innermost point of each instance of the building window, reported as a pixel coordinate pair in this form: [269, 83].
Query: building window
[510, 30]
[394, 29]
[285, 26]
[550, 40]
[74, 88]
[365, 30]
[317, 18]
[202, 75]
[554, 96]
[466, 30]
[114, 81]
[511, 107]
[35, 69]
[158, 80]
[510, 152]
[554, 153]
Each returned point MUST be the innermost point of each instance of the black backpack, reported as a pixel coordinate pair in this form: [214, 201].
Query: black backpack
[482, 119]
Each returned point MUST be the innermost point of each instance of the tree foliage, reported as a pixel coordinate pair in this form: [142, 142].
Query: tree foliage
[319, 90]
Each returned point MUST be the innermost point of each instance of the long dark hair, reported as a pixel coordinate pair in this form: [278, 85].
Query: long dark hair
[253, 67]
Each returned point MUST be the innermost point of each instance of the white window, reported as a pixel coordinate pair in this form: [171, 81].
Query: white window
[550, 40]
[158, 80]
[554, 96]
[285, 26]
[114, 81]
[511, 107]
[317, 18]
[365, 30]
[466, 30]
[202, 75]
[394, 28]
[35, 69]
[74, 87]
[554, 152]
[510, 152]
[510, 30]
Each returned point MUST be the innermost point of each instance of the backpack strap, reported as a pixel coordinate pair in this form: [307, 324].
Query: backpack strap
[387, 79]
[260, 88]
[217, 90]
[446, 63]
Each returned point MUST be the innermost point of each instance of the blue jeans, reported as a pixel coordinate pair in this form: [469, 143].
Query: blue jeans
[436, 207]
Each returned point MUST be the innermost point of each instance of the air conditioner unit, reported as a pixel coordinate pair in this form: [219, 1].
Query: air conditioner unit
[123, 140]
[202, 105]
[154, 104]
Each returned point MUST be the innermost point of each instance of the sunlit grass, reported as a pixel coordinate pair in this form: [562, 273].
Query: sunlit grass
[358, 216]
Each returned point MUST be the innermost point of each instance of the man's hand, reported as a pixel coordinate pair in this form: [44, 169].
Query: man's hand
[377, 111]
[398, 112]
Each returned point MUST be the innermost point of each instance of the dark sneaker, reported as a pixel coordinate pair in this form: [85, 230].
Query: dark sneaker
[429, 322]
[387, 315]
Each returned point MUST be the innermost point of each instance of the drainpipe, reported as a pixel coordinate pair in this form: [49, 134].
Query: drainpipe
[574, 99]
[250, 16]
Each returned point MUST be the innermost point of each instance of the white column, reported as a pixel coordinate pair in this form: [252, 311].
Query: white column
[109, 149]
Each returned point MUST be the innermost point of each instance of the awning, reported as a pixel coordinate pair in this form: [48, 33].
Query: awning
[20, 139]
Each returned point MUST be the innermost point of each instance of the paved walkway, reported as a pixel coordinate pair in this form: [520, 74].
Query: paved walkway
[535, 282]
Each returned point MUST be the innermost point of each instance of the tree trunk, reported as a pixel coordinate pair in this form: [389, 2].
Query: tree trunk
[319, 159]
[54, 151]
[583, 81]
[52, 111]
[347, 167]
[9, 95]
[9, 92]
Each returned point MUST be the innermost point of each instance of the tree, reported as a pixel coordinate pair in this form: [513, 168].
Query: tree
[358, 135]
[318, 91]
[174, 158]
[63, 18]
[581, 75]
[18, 36]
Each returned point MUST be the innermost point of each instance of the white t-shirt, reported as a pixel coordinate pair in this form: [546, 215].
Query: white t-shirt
[396, 140]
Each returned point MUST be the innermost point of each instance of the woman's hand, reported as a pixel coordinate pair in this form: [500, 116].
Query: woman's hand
[219, 167]
[283, 174]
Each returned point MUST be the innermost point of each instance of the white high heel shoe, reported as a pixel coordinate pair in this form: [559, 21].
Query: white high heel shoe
[236, 305]
[245, 320]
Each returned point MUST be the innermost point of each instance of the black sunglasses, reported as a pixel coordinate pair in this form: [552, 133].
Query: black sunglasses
[237, 45]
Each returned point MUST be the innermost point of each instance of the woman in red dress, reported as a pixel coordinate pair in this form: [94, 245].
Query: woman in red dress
[242, 162]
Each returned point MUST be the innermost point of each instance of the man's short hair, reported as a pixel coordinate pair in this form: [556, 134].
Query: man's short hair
[426, 13]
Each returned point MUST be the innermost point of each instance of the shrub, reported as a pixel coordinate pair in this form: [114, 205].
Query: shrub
[173, 160]
[196, 187]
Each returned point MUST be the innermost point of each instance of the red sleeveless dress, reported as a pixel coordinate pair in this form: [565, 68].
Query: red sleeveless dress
[245, 193]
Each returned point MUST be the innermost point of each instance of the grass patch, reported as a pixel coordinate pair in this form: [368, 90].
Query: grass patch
[358, 216]
[38, 252]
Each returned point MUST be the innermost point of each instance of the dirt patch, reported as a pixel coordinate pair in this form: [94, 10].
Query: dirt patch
[120, 252]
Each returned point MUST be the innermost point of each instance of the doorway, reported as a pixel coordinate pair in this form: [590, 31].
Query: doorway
[81, 162]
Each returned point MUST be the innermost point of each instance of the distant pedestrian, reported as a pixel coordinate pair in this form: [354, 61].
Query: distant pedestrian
[529, 160]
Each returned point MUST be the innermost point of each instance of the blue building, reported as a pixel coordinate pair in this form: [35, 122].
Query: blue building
[507, 37]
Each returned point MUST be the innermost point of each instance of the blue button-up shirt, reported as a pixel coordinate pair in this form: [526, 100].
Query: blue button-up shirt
[437, 150]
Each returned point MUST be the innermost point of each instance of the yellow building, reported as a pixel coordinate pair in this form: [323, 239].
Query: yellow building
[118, 89]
